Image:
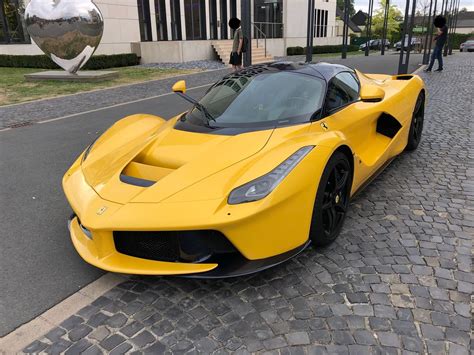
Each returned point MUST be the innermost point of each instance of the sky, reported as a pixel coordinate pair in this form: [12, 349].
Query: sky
[364, 4]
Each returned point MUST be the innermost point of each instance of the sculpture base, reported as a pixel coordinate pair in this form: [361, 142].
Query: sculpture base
[85, 76]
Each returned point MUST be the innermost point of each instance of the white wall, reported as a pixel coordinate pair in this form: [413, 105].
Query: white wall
[120, 29]
[173, 51]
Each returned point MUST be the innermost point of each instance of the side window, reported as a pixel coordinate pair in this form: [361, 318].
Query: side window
[342, 90]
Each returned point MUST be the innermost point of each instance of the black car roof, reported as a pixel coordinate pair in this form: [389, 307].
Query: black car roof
[321, 70]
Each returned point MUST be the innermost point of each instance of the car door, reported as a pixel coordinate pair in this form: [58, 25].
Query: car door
[357, 120]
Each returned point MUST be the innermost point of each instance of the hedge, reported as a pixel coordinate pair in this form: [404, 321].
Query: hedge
[459, 38]
[44, 62]
[320, 49]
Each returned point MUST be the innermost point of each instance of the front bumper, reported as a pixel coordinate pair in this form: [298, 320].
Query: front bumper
[103, 254]
[264, 233]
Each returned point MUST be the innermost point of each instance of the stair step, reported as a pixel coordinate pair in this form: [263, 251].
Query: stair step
[224, 48]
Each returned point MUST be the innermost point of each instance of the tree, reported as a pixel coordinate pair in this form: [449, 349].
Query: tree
[393, 23]
[340, 5]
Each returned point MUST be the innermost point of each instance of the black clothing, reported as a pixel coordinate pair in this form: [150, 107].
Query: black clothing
[442, 38]
[235, 59]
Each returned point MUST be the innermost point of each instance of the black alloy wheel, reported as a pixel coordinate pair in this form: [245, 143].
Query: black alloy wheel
[332, 200]
[416, 127]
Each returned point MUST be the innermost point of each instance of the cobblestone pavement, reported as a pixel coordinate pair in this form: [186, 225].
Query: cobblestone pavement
[36, 111]
[398, 279]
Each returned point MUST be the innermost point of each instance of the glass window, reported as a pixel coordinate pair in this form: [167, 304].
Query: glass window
[144, 20]
[240, 101]
[12, 25]
[224, 25]
[320, 23]
[213, 19]
[161, 26]
[268, 17]
[195, 17]
[342, 90]
[175, 10]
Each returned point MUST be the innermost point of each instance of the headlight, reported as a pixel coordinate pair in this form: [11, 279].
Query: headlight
[259, 188]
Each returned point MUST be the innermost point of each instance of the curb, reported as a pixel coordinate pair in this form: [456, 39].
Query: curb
[18, 339]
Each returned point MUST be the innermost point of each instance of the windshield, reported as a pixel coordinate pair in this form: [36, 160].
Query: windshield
[265, 99]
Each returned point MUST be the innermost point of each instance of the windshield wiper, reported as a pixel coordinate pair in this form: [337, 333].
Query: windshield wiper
[204, 110]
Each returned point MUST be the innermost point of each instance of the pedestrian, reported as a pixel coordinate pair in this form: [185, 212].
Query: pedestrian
[440, 38]
[236, 54]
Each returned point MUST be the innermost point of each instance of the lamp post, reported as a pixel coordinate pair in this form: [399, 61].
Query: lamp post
[385, 24]
[246, 22]
[429, 29]
[310, 32]
[449, 20]
[345, 29]
[369, 27]
[407, 28]
[455, 24]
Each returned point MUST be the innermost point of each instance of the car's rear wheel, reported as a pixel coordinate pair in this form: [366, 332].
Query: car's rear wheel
[332, 200]
[416, 126]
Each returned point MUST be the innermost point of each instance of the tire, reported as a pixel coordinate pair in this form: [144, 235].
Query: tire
[416, 126]
[332, 200]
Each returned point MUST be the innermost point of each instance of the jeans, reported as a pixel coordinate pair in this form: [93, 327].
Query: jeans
[437, 54]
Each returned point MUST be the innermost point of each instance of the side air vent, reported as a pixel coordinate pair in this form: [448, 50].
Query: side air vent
[388, 125]
[403, 77]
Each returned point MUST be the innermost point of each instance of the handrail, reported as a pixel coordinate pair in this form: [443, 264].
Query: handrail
[264, 37]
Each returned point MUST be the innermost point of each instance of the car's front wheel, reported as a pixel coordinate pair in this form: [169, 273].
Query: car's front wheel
[416, 126]
[332, 200]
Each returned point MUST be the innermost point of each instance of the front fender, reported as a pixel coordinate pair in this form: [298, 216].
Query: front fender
[119, 144]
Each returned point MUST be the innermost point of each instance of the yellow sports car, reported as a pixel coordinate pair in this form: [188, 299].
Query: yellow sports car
[262, 166]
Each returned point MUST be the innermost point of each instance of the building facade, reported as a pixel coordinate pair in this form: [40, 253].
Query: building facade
[183, 30]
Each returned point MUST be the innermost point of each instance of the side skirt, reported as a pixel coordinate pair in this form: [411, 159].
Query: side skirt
[372, 178]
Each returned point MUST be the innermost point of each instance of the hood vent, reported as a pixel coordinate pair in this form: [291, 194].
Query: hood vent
[143, 175]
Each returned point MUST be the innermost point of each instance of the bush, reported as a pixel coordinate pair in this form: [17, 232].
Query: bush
[458, 38]
[320, 49]
[295, 50]
[44, 62]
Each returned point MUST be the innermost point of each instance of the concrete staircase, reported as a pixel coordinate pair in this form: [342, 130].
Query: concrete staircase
[224, 47]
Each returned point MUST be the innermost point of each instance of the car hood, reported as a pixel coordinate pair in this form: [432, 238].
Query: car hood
[141, 163]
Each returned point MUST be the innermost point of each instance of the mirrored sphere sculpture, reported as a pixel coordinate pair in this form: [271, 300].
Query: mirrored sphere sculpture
[68, 31]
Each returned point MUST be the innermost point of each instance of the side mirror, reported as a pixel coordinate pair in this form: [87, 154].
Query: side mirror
[180, 86]
[371, 93]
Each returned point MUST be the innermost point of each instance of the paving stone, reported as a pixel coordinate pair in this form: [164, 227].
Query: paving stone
[112, 341]
[274, 343]
[93, 350]
[297, 338]
[117, 320]
[389, 339]
[125, 347]
[58, 347]
[55, 334]
[78, 347]
[35, 347]
[431, 332]
[142, 339]
[100, 333]
[79, 332]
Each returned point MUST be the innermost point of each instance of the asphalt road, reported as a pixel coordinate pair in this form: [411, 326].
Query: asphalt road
[39, 266]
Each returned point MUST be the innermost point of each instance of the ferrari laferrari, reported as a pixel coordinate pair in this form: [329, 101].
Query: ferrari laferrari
[263, 165]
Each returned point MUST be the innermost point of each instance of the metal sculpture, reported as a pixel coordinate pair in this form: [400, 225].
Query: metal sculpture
[68, 31]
